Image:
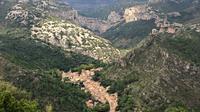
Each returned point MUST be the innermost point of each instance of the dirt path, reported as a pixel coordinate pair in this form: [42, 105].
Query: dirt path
[93, 87]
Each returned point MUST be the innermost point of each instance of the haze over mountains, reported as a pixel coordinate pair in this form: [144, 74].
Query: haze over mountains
[88, 4]
[99, 56]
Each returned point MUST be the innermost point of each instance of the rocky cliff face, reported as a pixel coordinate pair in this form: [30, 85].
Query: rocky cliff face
[139, 12]
[100, 26]
[94, 24]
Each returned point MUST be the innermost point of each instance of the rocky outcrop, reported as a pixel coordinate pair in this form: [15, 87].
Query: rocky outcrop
[114, 17]
[100, 26]
[174, 14]
[139, 12]
[73, 38]
[20, 15]
[195, 27]
[94, 24]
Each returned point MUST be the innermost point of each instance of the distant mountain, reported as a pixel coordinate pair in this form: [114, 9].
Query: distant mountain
[100, 8]
[81, 5]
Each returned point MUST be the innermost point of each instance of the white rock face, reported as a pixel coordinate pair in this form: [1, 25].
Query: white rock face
[74, 38]
[139, 12]
[114, 17]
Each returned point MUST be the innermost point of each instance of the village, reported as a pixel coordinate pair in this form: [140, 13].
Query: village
[98, 92]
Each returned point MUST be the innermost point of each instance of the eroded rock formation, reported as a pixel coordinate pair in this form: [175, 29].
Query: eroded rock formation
[139, 12]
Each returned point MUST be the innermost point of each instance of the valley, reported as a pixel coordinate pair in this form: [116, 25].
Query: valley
[99, 56]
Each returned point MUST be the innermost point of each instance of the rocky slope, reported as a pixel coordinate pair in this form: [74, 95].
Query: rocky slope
[139, 12]
[43, 19]
[73, 38]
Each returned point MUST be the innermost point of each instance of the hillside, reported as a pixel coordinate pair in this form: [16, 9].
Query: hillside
[160, 75]
[186, 8]
[51, 28]
[35, 67]
[127, 35]
[15, 99]
[50, 63]
[73, 38]
[34, 63]
[169, 15]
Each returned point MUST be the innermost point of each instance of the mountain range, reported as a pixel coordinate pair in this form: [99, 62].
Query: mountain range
[131, 56]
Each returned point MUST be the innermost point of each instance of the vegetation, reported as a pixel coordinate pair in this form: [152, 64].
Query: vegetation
[151, 78]
[176, 109]
[126, 101]
[186, 8]
[101, 108]
[15, 100]
[4, 8]
[129, 34]
[36, 55]
[185, 45]
[171, 6]
[34, 67]
[141, 82]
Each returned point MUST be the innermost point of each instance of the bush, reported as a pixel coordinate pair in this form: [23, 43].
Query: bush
[15, 100]
[101, 108]
[185, 45]
[176, 109]
[83, 66]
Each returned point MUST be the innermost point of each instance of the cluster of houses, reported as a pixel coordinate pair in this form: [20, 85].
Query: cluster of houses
[163, 25]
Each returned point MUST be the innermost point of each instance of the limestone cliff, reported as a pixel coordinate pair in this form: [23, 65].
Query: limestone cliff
[139, 12]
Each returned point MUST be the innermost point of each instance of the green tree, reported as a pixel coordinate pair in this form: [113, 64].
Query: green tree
[8, 103]
[176, 109]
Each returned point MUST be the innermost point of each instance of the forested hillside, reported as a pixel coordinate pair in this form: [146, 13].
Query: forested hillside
[160, 75]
